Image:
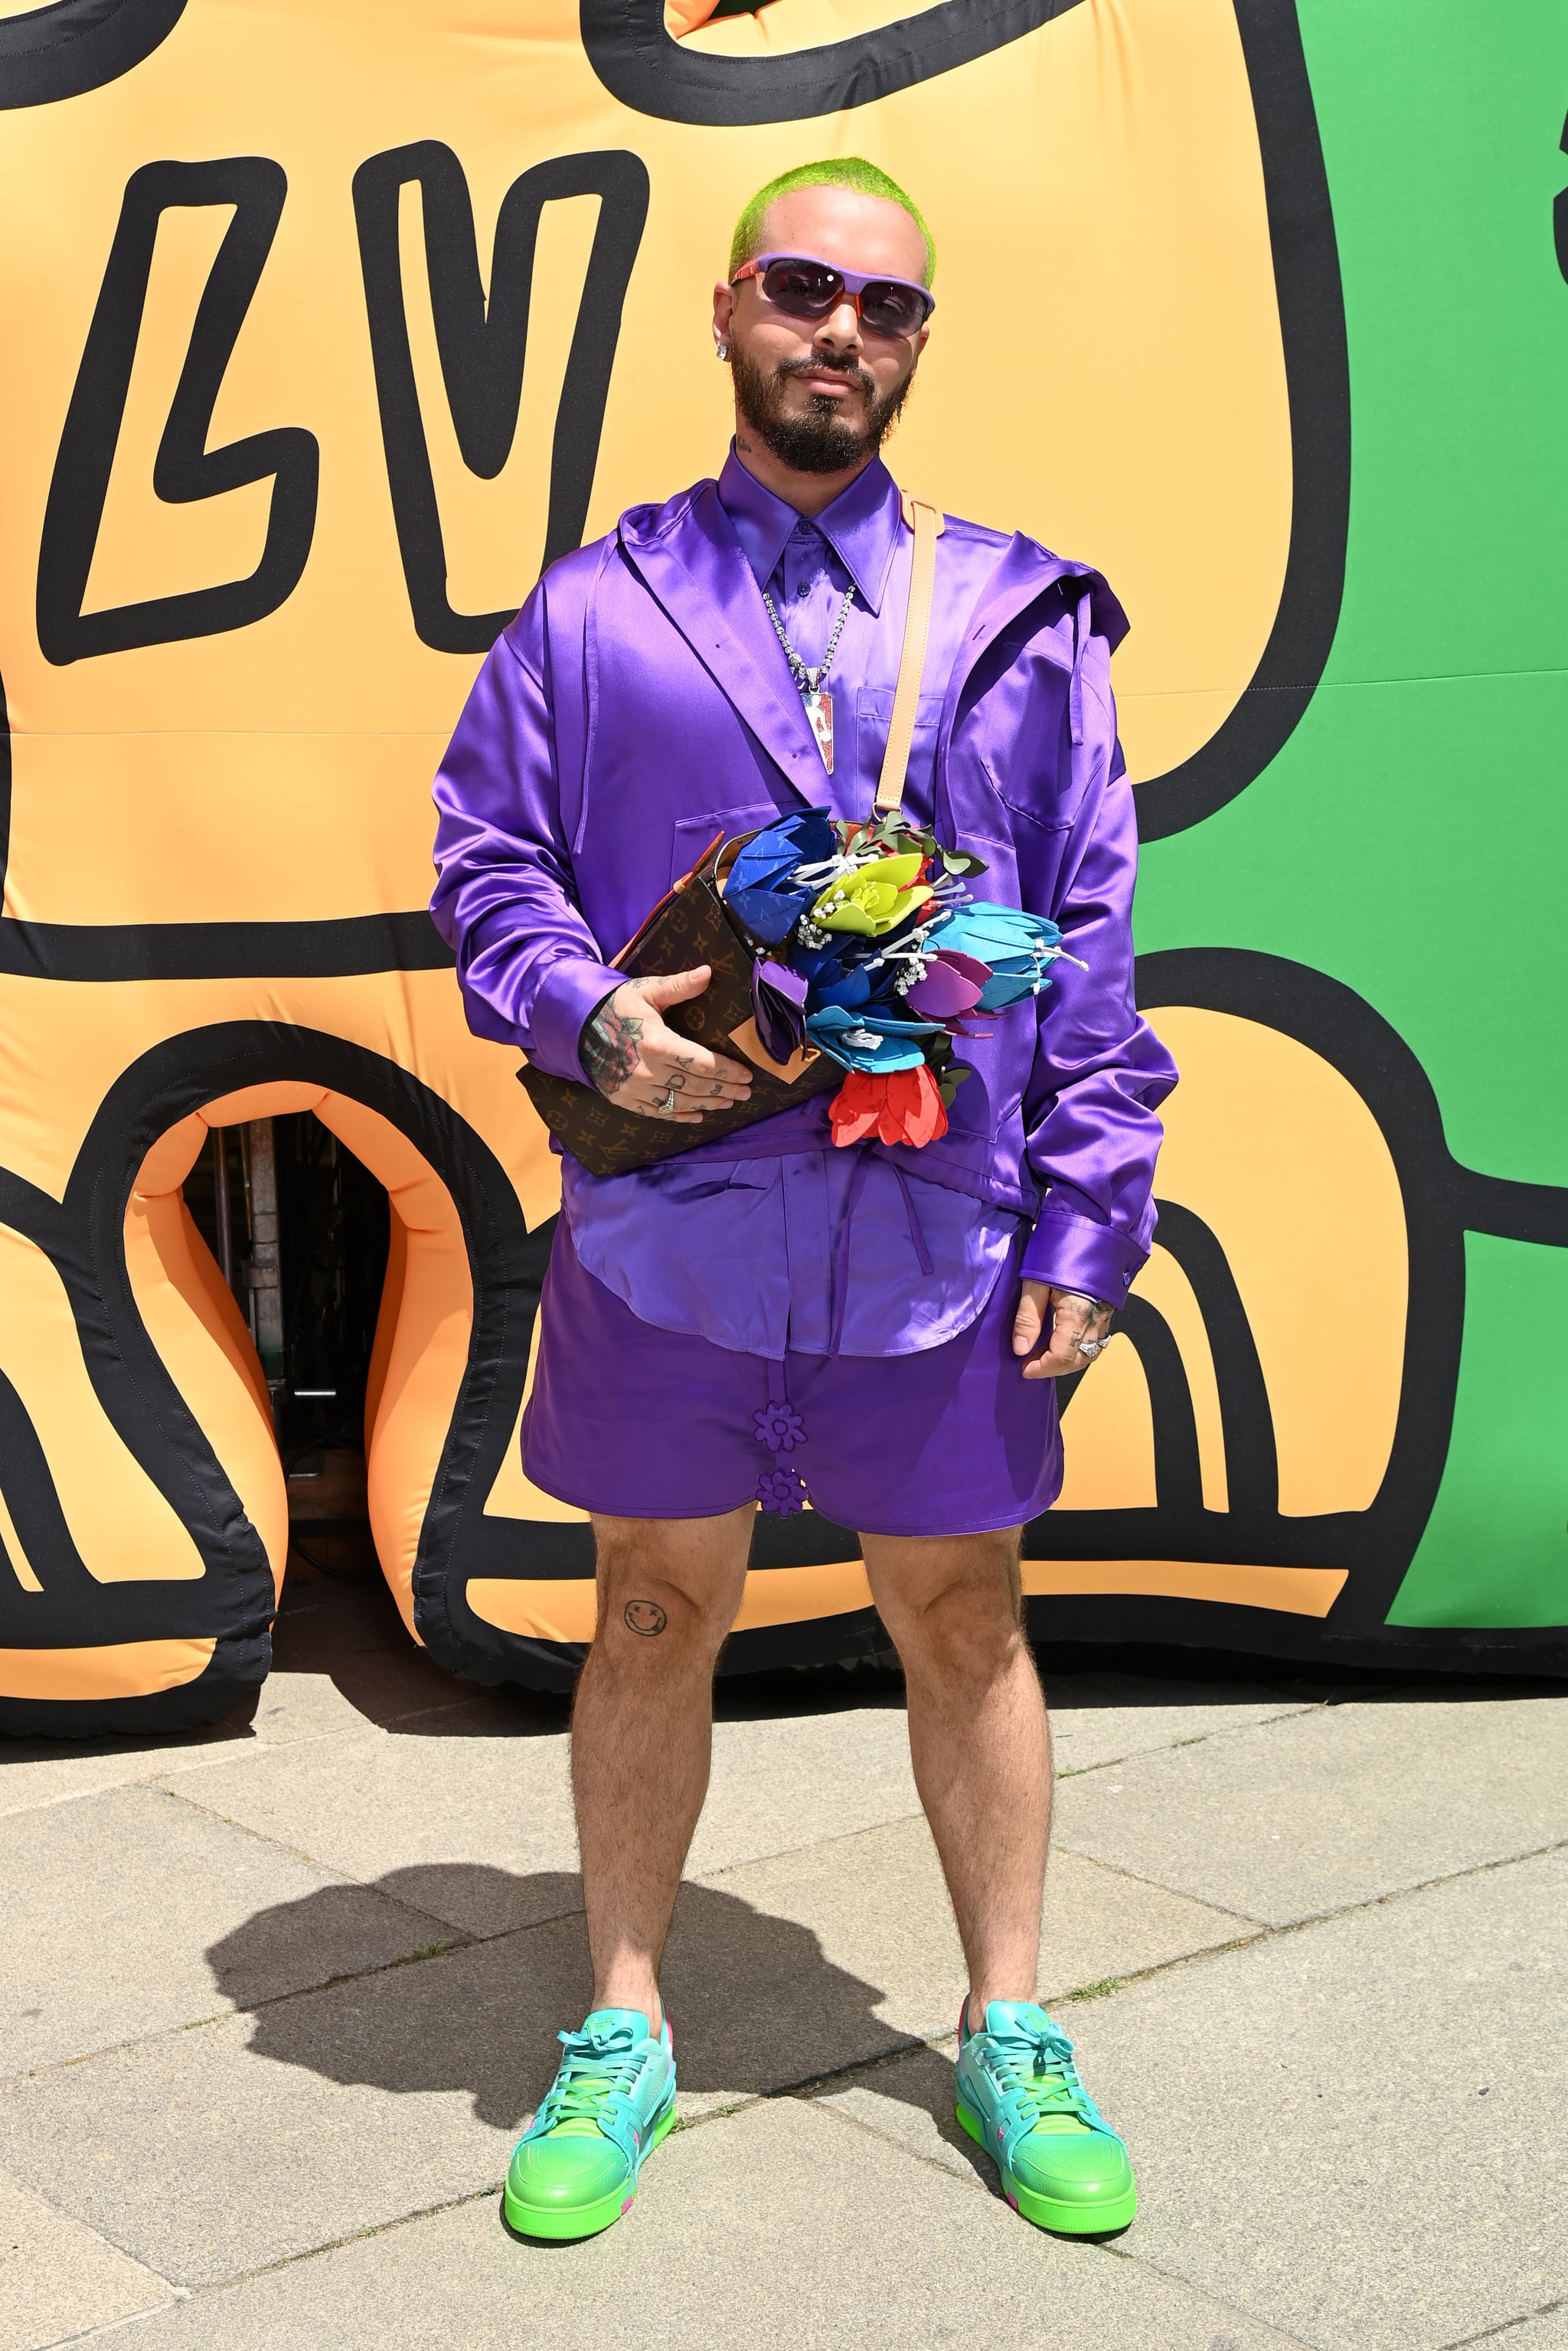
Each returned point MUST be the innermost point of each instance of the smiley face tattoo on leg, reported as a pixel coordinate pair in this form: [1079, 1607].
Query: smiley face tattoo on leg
[645, 1618]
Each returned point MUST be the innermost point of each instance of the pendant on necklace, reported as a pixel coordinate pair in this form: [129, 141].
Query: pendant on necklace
[819, 711]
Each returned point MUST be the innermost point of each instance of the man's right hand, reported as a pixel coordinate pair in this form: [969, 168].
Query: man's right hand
[637, 1063]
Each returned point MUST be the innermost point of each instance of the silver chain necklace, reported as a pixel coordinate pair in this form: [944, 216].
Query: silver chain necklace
[818, 703]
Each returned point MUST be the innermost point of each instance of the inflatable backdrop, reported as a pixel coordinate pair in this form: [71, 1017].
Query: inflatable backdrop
[329, 322]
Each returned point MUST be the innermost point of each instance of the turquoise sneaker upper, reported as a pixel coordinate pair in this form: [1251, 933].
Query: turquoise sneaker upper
[1019, 2076]
[616, 2082]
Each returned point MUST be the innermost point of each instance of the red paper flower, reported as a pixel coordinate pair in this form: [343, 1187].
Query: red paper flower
[902, 1106]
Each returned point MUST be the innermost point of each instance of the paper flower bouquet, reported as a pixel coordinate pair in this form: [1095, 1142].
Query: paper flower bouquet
[870, 950]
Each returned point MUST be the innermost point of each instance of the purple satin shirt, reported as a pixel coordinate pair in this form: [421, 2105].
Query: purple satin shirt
[639, 704]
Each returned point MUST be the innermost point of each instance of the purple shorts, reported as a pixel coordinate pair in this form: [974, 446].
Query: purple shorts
[633, 1422]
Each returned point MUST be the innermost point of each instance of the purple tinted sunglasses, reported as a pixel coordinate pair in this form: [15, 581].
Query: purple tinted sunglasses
[804, 287]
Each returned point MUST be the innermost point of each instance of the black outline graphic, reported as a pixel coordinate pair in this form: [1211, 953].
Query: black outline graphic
[483, 347]
[335, 948]
[185, 470]
[637, 60]
[83, 1236]
[1311, 303]
[76, 45]
[1442, 1201]
[1560, 214]
[1178, 1471]
[639, 64]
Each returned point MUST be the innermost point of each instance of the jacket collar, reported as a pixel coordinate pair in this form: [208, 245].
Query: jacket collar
[861, 525]
[688, 556]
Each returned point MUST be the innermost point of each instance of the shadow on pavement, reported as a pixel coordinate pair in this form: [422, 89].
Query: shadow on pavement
[755, 2003]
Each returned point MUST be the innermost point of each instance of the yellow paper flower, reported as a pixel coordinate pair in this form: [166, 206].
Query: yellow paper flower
[874, 899]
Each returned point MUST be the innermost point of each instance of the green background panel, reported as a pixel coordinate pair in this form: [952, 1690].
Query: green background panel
[1495, 1551]
[1404, 840]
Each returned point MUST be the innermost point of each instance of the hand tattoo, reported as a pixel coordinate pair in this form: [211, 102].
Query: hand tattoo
[646, 1618]
[1091, 1340]
[608, 1048]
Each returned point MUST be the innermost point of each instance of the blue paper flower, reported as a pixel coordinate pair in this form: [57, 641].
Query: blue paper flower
[871, 1041]
[760, 891]
[1017, 948]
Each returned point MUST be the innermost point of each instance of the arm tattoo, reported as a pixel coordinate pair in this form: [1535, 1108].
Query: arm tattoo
[644, 1616]
[608, 1048]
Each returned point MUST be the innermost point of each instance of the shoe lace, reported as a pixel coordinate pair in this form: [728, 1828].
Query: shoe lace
[1035, 2065]
[596, 2066]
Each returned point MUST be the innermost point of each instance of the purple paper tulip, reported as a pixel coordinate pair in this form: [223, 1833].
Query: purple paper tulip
[948, 989]
[779, 1002]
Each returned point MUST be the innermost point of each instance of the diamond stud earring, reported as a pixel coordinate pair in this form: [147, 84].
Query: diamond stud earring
[721, 351]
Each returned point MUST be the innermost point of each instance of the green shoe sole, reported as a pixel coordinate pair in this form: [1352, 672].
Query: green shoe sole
[565, 2223]
[1049, 2212]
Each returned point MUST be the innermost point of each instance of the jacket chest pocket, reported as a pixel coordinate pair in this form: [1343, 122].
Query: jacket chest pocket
[1025, 850]
[695, 834]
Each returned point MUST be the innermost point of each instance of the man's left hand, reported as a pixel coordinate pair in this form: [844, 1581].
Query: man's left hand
[1078, 1326]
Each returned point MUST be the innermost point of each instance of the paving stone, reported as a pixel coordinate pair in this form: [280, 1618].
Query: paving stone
[35, 1771]
[244, 2141]
[1355, 2131]
[340, 1663]
[1305, 1815]
[874, 1908]
[469, 1792]
[254, 2138]
[441, 1804]
[777, 2226]
[1099, 1718]
[58, 2278]
[250, 2140]
[1547, 2332]
[909, 2099]
[141, 1885]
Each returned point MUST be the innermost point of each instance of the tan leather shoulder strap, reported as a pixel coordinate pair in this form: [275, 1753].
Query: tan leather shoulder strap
[927, 523]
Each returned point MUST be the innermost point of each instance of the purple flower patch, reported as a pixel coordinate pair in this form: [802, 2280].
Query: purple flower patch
[781, 1491]
[778, 1427]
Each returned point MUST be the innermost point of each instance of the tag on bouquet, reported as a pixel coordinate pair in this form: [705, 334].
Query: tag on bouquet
[819, 711]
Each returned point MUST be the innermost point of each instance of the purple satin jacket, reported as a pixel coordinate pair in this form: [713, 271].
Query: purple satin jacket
[641, 704]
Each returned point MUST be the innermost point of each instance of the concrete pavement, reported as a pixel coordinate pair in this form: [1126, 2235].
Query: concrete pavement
[278, 1995]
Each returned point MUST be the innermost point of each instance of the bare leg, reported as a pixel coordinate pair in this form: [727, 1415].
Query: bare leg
[641, 1732]
[977, 1738]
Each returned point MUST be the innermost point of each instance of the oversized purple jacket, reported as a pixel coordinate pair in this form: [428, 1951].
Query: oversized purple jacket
[639, 704]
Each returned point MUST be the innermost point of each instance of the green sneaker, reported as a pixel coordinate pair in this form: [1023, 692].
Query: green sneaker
[575, 2169]
[1062, 2166]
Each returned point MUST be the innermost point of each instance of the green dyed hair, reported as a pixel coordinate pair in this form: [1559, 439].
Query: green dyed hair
[837, 171]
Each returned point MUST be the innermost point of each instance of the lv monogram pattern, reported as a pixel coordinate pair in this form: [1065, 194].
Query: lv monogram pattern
[690, 928]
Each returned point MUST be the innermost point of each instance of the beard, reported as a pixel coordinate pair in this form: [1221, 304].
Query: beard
[820, 440]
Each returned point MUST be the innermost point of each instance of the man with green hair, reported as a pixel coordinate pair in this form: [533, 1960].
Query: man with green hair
[876, 1329]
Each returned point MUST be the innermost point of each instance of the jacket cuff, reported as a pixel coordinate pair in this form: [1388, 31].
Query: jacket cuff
[1074, 1253]
[569, 995]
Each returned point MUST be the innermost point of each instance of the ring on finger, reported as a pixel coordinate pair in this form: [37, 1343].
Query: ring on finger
[667, 1106]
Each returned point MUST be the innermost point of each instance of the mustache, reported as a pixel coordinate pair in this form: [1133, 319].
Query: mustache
[828, 365]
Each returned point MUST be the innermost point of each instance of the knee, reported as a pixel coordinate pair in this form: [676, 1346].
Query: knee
[650, 1615]
[965, 1627]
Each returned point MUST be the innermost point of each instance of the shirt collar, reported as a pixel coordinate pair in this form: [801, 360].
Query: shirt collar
[861, 525]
